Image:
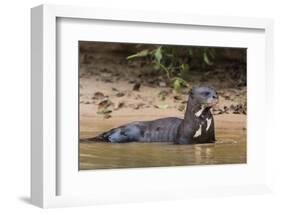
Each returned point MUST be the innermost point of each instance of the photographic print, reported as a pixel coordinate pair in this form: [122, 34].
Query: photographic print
[154, 105]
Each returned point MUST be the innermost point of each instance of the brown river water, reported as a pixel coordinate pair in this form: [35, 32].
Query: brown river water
[230, 148]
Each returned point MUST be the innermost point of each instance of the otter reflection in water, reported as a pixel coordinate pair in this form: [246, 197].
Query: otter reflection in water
[196, 127]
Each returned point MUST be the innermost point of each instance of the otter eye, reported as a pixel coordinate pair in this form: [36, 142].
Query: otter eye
[206, 93]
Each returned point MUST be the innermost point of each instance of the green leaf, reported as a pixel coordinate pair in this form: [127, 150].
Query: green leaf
[158, 54]
[177, 85]
[206, 59]
[184, 67]
[142, 53]
[104, 111]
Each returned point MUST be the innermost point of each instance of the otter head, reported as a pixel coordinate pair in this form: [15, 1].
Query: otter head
[204, 96]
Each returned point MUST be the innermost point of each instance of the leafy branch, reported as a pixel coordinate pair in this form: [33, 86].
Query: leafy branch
[175, 66]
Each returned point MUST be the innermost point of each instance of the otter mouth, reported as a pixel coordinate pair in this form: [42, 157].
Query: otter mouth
[212, 103]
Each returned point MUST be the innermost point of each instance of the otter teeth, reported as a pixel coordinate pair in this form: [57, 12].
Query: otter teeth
[198, 132]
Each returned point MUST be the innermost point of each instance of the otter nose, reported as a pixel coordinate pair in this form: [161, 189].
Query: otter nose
[215, 97]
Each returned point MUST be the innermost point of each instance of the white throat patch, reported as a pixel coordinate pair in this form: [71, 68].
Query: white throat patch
[197, 114]
[198, 132]
[209, 121]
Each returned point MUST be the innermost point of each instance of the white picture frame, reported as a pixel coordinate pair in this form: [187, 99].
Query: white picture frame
[47, 165]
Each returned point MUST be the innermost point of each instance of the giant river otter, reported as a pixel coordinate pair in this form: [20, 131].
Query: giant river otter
[196, 127]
